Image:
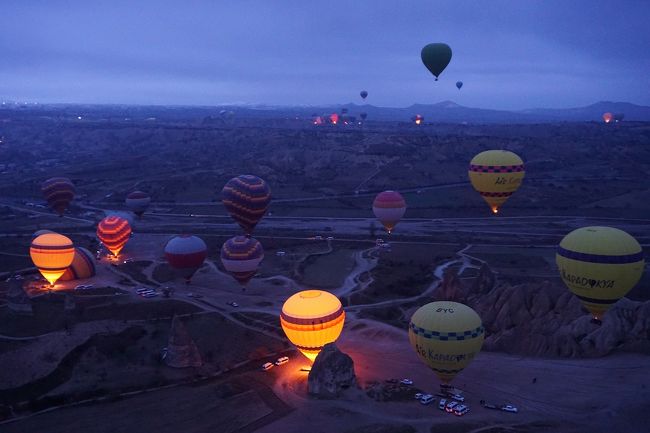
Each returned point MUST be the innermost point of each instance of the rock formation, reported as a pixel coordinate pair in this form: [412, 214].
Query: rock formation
[181, 349]
[332, 373]
[545, 319]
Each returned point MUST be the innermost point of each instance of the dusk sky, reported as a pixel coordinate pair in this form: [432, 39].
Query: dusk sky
[509, 54]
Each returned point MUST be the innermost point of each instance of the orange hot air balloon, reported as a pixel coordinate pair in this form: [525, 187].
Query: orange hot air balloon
[114, 233]
[52, 253]
[311, 319]
[608, 117]
[334, 118]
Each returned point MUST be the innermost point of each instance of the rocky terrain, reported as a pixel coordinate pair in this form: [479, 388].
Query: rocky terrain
[545, 319]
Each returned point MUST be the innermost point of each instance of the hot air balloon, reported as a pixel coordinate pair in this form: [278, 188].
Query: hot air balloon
[59, 192]
[82, 266]
[418, 119]
[138, 202]
[52, 253]
[436, 57]
[37, 233]
[599, 265]
[618, 117]
[344, 111]
[318, 120]
[186, 253]
[363, 116]
[389, 208]
[446, 336]
[608, 117]
[459, 84]
[334, 118]
[114, 232]
[241, 256]
[363, 94]
[496, 175]
[246, 198]
[311, 319]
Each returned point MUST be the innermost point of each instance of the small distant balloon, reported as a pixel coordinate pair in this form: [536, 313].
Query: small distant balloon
[608, 117]
[418, 119]
[59, 192]
[459, 84]
[334, 118]
[364, 94]
[496, 175]
[363, 116]
[246, 198]
[138, 202]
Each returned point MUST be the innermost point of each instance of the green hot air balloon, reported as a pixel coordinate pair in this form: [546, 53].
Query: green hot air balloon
[436, 57]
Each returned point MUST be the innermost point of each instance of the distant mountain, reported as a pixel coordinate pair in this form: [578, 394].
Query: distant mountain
[449, 111]
[445, 111]
[593, 111]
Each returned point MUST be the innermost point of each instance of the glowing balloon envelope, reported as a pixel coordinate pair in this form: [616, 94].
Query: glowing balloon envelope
[599, 265]
[446, 336]
[334, 118]
[82, 266]
[59, 192]
[52, 253]
[436, 57]
[418, 119]
[186, 253]
[311, 319]
[241, 256]
[496, 175]
[246, 198]
[389, 208]
[608, 117]
[138, 202]
[114, 232]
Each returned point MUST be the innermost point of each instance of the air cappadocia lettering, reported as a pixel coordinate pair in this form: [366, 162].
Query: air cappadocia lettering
[507, 181]
[586, 282]
[442, 357]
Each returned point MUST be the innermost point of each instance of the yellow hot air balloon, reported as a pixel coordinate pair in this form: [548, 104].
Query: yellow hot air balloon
[599, 265]
[52, 253]
[496, 175]
[311, 319]
[446, 336]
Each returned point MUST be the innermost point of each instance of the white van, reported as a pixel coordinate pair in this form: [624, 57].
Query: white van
[427, 399]
[267, 366]
[282, 360]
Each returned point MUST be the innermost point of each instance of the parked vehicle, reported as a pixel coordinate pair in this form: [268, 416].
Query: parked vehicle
[267, 366]
[282, 360]
[450, 406]
[418, 395]
[461, 410]
[509, 408]
[442, 404]
[427, 399]
[406, 382]
[458, 397]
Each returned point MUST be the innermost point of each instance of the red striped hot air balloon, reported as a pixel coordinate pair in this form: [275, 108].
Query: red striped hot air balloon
[246, 198]
[186, 253]
[82, 266]
[58, 192]
[52, 253]
[114, 233]
[138, 202]
[241, 256]
[389, 208]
